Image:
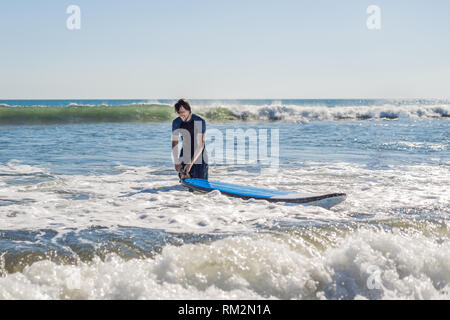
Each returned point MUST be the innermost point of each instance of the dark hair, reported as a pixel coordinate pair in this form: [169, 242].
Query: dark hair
[182, 103]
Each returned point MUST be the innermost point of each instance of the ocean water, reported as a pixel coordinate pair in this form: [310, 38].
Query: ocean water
[91, 207]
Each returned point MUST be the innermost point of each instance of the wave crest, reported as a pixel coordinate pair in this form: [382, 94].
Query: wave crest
[297, 113]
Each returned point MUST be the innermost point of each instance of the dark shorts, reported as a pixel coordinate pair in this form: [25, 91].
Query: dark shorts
[199, 171]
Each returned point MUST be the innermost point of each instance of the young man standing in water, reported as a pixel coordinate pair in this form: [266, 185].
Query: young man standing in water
[193, 159]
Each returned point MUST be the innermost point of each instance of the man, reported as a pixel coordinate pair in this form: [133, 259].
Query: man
[193, 159]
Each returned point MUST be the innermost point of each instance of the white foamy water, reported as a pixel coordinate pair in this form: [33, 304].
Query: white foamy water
[388, 240]
[365, 264]
[146, 197]
[304, 113]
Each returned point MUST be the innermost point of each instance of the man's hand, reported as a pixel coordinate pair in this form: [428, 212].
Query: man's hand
[178, 167]
[185, 175]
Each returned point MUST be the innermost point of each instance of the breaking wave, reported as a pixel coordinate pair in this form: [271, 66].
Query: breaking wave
[149, 112]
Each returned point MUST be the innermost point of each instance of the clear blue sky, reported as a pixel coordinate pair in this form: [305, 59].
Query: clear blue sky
[224, 49]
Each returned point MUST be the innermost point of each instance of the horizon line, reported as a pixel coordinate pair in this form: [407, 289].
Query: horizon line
[398, 98]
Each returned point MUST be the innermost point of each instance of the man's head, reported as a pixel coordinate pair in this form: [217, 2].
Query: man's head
[183, 109]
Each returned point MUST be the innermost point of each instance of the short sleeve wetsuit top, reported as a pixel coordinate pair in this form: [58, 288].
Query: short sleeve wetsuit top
[188, 131]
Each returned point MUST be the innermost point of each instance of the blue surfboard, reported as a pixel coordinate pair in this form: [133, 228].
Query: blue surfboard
[246, 192]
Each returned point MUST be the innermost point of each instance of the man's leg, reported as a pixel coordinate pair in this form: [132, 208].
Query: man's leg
[199, 171]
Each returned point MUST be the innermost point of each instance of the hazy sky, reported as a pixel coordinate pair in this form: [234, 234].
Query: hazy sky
[224, 49]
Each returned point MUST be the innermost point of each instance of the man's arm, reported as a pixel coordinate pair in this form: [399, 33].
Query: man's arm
[176, 159]
[175, 136]
[198, 150]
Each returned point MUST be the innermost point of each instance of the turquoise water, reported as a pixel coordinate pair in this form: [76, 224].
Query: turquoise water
[66, 232]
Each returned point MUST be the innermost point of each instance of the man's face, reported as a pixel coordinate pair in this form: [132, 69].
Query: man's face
[183, 113]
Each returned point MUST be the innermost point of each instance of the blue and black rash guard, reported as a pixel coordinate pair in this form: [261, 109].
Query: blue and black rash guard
[194, 126]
